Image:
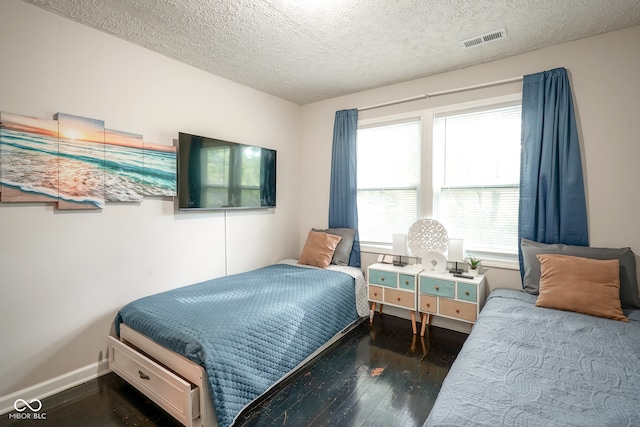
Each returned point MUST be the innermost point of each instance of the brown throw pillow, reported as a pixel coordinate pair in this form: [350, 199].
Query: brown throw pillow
[318, 249]
[583, 285]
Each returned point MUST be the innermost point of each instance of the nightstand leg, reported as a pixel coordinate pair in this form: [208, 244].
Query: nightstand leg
[424, 324]
[380, 309]
[413, 321]
[372, 312]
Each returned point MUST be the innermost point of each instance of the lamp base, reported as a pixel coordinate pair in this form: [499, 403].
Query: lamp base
[456, 270]
[397, 261]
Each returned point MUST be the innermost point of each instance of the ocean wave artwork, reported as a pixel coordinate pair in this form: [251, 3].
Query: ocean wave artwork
[28, 159]
[124, 166]
[79, 164]
[160, 170]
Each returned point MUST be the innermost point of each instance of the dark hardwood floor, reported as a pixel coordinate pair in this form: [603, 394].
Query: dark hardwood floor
[379, 376]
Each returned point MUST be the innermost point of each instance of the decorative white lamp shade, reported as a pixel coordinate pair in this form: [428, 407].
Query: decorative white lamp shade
[399, 244]
[455, 253]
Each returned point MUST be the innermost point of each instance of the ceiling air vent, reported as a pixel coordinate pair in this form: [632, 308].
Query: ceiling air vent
[484, 38]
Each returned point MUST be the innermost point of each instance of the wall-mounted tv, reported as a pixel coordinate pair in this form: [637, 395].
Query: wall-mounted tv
[217, 174]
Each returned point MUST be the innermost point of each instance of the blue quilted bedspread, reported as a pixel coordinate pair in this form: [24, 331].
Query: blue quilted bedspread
[528, 366]
[249, 329]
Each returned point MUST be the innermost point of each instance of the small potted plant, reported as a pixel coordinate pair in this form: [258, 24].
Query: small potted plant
[474, 264]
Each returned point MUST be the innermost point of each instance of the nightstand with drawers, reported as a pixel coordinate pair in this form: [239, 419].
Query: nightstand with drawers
[394, 286]
[449, 296]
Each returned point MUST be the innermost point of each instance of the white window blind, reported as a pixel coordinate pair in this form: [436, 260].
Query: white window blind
[388, 179]
[476, 177]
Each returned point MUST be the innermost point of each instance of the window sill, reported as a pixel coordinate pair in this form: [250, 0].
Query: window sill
[486, 262]
[377, 249]
[505, 265]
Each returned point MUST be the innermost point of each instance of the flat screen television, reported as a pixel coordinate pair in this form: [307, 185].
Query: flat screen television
[217, 174]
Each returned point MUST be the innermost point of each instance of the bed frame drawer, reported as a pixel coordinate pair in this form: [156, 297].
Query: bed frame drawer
[175, 395]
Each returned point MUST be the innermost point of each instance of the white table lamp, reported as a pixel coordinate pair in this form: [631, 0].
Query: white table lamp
[455, 254]
[399, 248]
[399, 244]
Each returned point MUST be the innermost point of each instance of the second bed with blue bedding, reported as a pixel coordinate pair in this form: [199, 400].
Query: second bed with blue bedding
[248, 330]
[531, 366]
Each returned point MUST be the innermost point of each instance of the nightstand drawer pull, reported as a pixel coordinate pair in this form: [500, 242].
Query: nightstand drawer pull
[398, 299]
[437, 288]
[466, 293]
[382, 278]
[406, 282]
[144, 376]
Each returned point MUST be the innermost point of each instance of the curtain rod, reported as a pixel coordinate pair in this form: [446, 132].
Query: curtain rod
[442, 92]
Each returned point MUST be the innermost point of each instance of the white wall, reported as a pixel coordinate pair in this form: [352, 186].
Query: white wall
[604, 74]
[63, 275]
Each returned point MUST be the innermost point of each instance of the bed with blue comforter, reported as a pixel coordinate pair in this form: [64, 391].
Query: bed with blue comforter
[524, 365]
[249, 330]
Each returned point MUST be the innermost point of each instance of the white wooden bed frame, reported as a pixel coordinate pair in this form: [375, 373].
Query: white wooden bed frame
[176, 384]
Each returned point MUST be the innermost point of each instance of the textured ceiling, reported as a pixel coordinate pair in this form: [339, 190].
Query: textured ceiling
[310, 50]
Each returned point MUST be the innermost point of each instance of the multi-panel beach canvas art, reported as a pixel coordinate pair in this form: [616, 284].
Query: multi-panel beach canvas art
[77, 163]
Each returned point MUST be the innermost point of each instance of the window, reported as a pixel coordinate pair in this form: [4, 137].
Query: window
[476, 177]
[227, 185]
[461, 167]
[388, 179]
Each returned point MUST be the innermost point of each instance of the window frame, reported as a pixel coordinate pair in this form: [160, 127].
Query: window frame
[427, 166]
[390, 121]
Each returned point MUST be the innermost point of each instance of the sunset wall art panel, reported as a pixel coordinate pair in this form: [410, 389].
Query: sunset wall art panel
[28, 159]
[77, 163]
[81, 171]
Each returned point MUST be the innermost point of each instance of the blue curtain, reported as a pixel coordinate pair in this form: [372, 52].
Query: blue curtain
[343, 206]
[552, 200]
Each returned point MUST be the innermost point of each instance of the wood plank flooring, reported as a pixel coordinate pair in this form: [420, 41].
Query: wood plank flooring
[375, 376]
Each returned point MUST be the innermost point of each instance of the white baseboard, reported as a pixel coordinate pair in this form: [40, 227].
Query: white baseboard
[55, 385]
